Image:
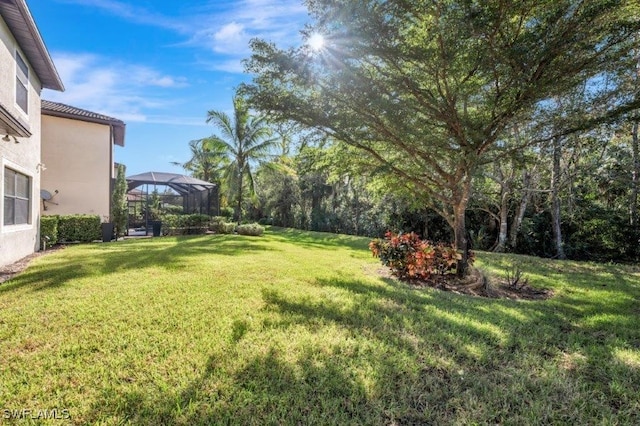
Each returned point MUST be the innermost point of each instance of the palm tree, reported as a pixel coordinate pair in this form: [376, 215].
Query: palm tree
[208, 160]
[246, 140]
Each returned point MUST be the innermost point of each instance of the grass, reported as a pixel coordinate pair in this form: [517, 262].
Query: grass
[297, 328]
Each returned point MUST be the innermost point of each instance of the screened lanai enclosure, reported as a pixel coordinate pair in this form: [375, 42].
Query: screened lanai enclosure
[152, 192]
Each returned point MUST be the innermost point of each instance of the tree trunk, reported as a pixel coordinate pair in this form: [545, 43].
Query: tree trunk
[635, 175]
[522, 208]
[555, 200]
[240, 197]
[505, 192]
[633, 196]
[459, 224]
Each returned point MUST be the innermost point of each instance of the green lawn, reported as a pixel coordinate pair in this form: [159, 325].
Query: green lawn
[298, 328]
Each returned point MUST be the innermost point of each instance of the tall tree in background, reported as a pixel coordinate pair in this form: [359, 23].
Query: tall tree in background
[119, 206]
[635, 149]
[427, 88]
[208, 159]
[245, 140]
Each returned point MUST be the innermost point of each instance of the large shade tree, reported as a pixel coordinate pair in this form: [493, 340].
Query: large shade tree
[245, 139]
[427, 89]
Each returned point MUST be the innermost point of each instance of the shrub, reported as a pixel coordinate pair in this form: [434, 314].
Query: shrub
[216, 224]
[219, 225]
[184, 224]
[409, 257]
[171, 221]
[172, 209]
[172, 224]
[253, 229]
[228, 228]
[48, 230]
[79, 227]
[196, 220]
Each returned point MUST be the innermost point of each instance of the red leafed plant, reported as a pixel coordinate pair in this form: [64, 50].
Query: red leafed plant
[410, 257]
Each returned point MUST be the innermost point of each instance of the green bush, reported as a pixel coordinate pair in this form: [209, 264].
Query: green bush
[253, 229]
[79, 227]
[48, 230]
[219, 225]
[172, 221]
[197, 220]
[195, 224]
[172, 209]
[172, 224]
[229, 228]
[184, 224]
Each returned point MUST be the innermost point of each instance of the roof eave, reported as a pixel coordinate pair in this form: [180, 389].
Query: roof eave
[118, 130]
[118, 127]
[12, 125]
[31, 42]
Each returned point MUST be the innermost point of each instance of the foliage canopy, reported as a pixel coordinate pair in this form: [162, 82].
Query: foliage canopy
[427, 89]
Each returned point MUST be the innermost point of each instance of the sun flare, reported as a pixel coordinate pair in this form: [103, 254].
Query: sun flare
[316, 41]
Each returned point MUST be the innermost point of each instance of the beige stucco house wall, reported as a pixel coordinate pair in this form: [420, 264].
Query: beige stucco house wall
[20, 128]
[77, 150]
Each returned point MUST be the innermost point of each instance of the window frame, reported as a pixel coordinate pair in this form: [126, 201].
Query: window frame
[22, 83]
[15, 197]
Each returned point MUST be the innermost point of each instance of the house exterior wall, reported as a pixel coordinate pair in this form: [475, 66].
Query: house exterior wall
[78, 160]
[18, 241]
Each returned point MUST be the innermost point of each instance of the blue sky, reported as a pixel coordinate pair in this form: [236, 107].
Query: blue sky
[158, 65]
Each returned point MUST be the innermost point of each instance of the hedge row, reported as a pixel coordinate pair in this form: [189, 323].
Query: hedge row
[69, 228]
[48, 231]
[199, 224]
[86, 228]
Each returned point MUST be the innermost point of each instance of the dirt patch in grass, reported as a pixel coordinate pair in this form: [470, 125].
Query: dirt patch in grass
[476, 284]
[9, 271]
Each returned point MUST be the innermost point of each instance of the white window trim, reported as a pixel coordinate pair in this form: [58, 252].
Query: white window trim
[15, 83]
[22, 226]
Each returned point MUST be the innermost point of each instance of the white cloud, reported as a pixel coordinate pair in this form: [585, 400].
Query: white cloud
[278, 21]
[224, 28]
[229, 32]
[145, 76]
[112, 88]
[230, 38]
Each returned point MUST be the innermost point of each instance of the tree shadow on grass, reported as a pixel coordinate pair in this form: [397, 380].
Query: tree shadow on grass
[267, 389]
[130, 256]
[465, 333]
[406, 357]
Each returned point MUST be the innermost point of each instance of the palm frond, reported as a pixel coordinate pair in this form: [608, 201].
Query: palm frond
[223, 122]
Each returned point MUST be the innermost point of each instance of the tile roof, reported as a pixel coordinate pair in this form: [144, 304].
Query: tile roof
[49, 106]
[57, 109]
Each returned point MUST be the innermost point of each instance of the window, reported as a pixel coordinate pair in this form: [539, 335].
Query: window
[17, 198]
[22, 83]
